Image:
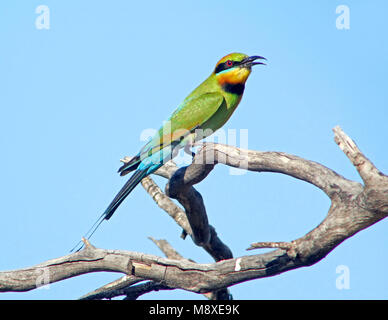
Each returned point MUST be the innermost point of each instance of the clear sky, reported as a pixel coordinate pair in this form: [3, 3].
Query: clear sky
[75, 98]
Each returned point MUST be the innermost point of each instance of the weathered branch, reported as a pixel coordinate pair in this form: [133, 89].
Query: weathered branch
[200, 278]
[168, 250]
[281, 245]
[354, 207]
[113, 289]
[279, 162]
[171, 253]
[134, 292]
[215, 247]
[165, 203]
[194, 219]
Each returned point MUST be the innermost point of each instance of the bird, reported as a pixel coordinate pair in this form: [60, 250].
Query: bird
[206, 109]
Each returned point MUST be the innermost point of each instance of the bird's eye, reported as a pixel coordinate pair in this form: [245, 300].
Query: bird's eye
[229, 63]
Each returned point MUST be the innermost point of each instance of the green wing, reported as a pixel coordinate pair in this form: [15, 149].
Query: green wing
[189, 116]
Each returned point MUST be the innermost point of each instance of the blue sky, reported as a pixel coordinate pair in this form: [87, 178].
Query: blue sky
[74, 99]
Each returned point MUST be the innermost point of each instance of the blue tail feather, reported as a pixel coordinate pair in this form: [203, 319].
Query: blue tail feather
[144, 168]
[124, 192]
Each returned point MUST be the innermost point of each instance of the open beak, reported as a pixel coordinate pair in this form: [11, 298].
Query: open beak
[250, 61]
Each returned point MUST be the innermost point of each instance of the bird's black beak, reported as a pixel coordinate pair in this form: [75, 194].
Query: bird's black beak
[250, 61]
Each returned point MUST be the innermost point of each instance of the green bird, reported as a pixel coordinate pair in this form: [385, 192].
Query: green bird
[204, 110]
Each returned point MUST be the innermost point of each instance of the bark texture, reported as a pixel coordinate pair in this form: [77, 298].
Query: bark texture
[354, 207]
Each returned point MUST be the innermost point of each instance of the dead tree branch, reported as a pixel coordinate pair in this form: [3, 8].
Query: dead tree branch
[354, 207]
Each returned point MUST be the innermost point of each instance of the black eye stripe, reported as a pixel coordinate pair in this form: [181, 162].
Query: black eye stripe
[220, 67]
[223, 66]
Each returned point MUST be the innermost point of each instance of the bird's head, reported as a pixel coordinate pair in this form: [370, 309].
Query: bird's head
[235, 68]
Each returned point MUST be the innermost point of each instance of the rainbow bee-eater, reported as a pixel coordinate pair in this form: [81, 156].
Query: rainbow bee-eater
[204, 110]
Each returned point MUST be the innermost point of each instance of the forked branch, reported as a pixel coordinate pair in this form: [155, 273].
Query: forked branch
[354, 207]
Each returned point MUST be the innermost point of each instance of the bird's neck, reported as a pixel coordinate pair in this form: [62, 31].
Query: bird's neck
[233, 80]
